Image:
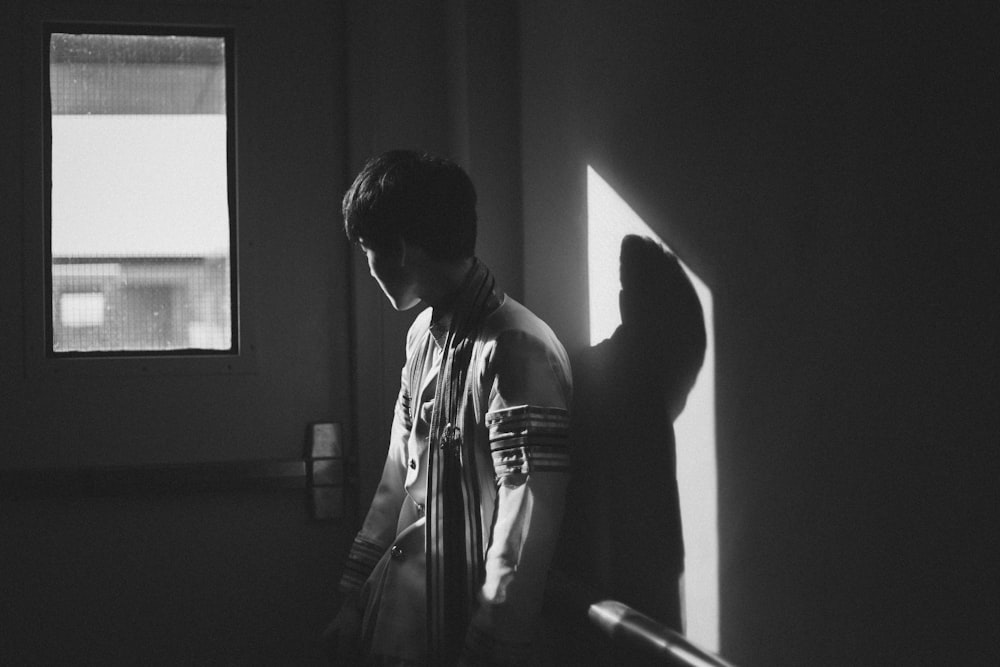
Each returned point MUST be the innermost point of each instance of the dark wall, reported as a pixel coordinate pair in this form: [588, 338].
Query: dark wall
[824, 168]
[163, 575]
[213, 578]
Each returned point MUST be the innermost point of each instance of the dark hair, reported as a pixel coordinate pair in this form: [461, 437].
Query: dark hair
[427, 200]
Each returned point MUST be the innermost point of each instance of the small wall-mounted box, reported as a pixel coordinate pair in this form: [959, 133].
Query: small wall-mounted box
[325, 440]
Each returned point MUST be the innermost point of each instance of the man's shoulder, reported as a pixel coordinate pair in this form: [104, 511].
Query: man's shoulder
[514, 316]
[526, 357]
[513, 323]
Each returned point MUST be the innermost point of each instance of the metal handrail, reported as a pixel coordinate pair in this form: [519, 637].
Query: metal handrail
[629, 627]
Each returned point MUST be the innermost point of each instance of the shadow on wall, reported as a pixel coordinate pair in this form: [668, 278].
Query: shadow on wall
[609, 220]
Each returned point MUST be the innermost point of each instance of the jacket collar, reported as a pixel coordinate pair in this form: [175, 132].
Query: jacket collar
[455, 311]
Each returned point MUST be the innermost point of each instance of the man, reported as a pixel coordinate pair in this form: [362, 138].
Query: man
[449, 566]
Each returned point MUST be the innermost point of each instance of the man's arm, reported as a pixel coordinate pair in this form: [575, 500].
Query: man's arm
[343, 634]
[379, 528]
[528, 425]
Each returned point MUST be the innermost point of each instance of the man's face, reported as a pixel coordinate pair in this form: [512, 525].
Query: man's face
[388, 268]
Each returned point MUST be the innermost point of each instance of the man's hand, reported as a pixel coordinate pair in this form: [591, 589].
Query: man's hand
[342, 638]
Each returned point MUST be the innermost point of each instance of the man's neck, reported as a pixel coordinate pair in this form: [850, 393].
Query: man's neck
[443, 281]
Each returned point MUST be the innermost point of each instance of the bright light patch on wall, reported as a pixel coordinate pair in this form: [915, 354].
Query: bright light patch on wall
[609, 219]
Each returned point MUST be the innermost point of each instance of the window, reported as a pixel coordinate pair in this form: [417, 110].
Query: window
[140, 219]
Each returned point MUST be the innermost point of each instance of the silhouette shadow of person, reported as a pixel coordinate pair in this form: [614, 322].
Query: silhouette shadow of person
[621, 536]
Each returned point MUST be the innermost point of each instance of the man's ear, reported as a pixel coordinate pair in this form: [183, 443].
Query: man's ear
[395, 248]
[411, 255]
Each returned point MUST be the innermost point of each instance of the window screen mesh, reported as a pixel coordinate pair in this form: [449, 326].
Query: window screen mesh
[140, 223]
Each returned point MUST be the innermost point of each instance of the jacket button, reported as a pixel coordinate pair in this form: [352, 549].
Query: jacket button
[396, 552]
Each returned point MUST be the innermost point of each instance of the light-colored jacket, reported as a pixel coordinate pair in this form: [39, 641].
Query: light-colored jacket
[520, 383]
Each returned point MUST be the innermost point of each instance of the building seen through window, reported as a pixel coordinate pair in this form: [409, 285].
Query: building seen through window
[140, 223]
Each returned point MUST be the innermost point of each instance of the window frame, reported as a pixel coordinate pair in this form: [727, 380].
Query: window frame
[40, 23]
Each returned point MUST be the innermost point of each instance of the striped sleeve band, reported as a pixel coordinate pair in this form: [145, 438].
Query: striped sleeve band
[528, 439]
[403, 409]
[361, 560]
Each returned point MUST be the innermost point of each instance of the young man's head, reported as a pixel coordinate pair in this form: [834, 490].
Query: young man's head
[426, 201]
[414, 215]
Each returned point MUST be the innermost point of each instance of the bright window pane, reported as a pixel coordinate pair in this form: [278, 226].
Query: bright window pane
[140, 183]
[81, 309]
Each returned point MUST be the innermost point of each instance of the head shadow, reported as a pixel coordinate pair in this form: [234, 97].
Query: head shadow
[663, 324]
